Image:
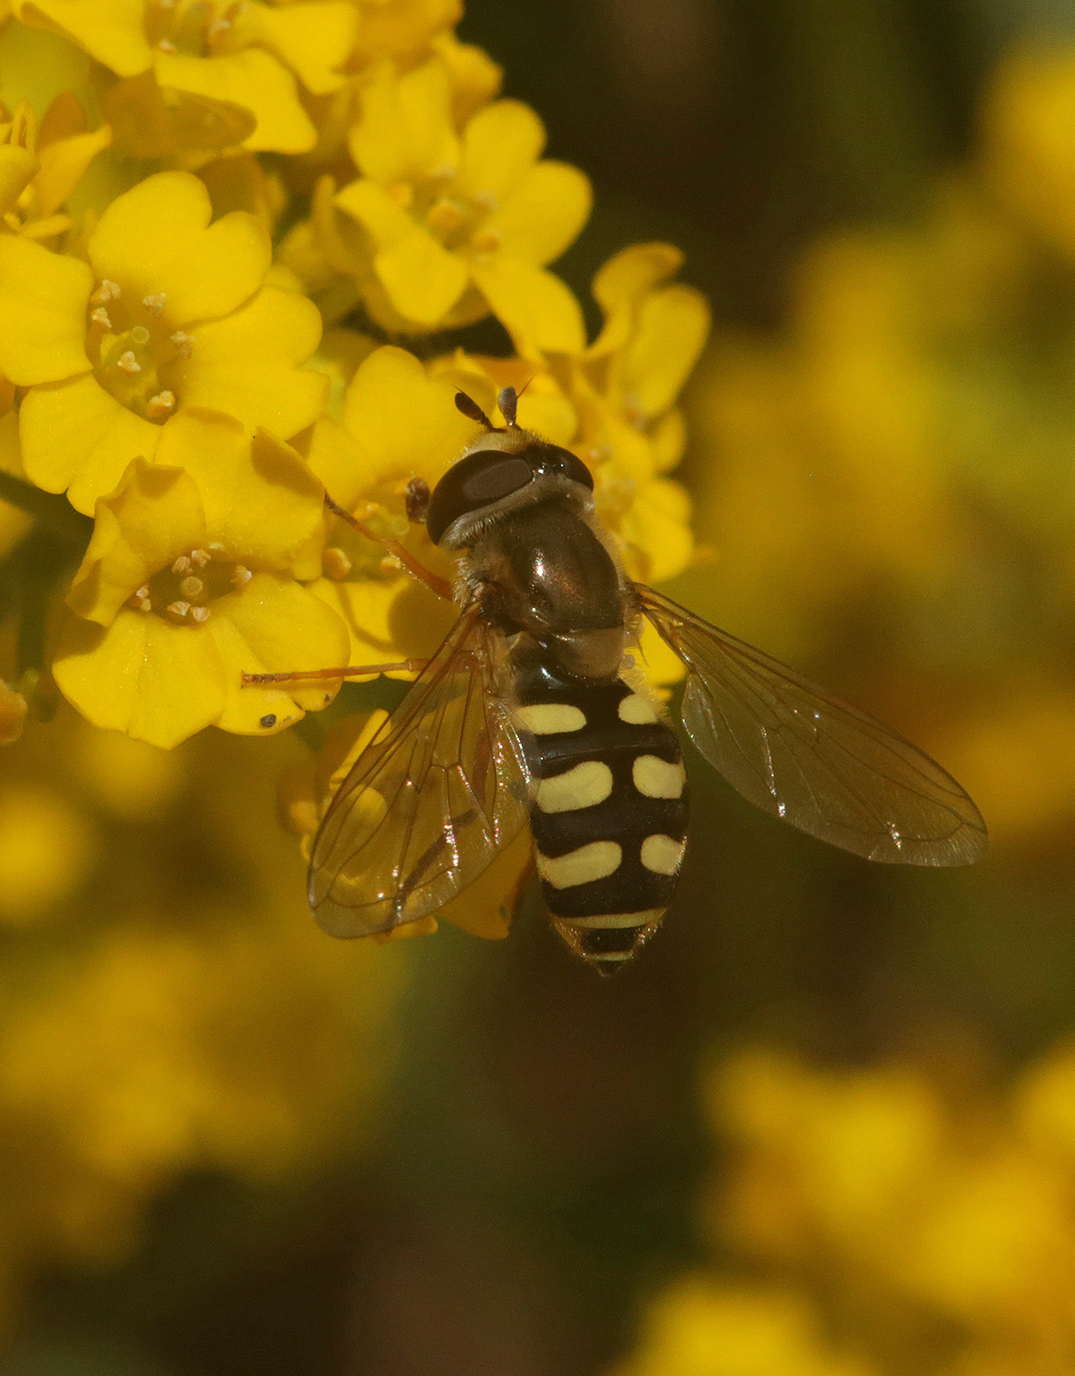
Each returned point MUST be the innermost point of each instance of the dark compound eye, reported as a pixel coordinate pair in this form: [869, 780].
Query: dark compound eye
[476, 481]
[550, 460]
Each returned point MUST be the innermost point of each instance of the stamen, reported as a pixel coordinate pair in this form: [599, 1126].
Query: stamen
[391, 563]
[192, 587]
[183, 565]
[199, 614]
[183, 343]
[107, 291]
[336, 563]
[215, 548]
[179, 608]
[167, 46]
[100, 318]
[154, 303]
[240, 576]
[163, 404]
[201, 557]
[128, 362]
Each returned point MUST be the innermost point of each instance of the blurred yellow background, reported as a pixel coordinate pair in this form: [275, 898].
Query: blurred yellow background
[825, 1124]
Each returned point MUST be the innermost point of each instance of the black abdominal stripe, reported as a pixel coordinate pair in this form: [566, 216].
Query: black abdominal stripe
[608, 811]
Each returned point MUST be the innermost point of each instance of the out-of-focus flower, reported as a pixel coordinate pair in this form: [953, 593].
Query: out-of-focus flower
[699, 1326]
[442, 226]
[402, 29]
[190, 580]
[46, 849]
[40, 168]
[191, 66]
[147, 1031]
[170, 312]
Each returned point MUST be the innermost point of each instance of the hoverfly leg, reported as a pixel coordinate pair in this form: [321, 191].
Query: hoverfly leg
[417, 570]
[409, 666]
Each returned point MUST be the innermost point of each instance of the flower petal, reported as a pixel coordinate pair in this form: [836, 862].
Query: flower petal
[261, 502]
[405, 131]
[253, 79]
[247, 365]
[273, 625]
[370, 204]
[672, 328]
[158, 682]
[154, 514]
[500, 146]
[111, 30]
[17, 168]
[536, 308]
[43, 298]
[157, 238]
[405, 422]
[313, 39]
[544, 215]
[388, 621]
[64, 164]
[77, 436]
[657, 528]
[621, 284]
[422, 279]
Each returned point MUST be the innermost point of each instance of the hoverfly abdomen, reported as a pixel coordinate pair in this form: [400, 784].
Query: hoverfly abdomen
[608, 809]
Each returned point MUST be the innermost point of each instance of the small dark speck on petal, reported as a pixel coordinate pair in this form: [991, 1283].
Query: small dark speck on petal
[268, 721]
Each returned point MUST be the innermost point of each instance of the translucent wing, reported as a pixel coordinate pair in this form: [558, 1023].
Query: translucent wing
[429, 802]
[810, 759]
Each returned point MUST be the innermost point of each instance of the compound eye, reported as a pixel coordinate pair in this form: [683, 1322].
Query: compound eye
[480, 479]
[550, 459]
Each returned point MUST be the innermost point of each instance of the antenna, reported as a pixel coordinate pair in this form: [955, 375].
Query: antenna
[507, 400]
[472, 410]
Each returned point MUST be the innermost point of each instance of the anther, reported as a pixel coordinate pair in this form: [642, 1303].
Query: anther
[107, 291]
[192, 587]
[179, 608]
[240, 576]
[160, 406]
[216, 548]
[336, 563]
[167, 46]
[199, 614]
[183, 343]
[391, 563]
[140, 334]
[154, 303]
[183, 565]
[128, 362]
[100, 318]
[200, 557]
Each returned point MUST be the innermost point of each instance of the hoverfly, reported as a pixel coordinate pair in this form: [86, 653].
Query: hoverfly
[531, 713]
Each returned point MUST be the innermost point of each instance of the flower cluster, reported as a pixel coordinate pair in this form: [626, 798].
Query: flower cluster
[906, 1218]
[235, 241]
[196, 358]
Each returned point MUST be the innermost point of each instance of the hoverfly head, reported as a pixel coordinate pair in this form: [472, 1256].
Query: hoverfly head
[505, 468]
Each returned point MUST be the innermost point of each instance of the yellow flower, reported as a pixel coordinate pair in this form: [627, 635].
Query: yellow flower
[442, 226]
[47, 848]
[40, 168]
[703, 1327]
[402, 28]
[198, 57]
[190, 581]
[170, 312]
[1028, 111]
[397, 423]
